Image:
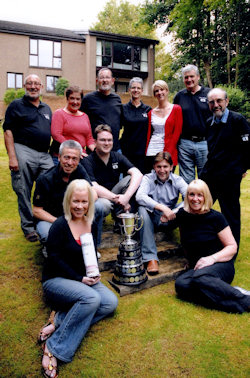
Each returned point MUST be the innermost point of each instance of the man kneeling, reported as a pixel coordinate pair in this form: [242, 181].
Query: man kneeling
[157, 196]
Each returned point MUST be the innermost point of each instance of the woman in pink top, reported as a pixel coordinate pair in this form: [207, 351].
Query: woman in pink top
[164, 126]
[71, 123]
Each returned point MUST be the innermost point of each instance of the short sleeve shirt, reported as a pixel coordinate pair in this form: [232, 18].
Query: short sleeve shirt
[106, 175]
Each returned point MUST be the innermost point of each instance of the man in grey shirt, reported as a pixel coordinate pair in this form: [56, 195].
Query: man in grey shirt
[157, 197]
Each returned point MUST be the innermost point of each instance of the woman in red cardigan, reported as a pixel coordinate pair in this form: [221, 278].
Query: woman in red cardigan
[164, 125]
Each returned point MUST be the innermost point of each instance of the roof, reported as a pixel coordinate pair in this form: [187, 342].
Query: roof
[123, 38]
[40, 31]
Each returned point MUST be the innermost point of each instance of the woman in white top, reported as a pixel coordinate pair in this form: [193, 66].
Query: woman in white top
[164, 125]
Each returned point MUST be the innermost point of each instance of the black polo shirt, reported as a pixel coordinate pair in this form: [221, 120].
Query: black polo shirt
[50, 189]
[135, 122]
[106, 175]
[195, 112]
[103, 109]
[30, 125]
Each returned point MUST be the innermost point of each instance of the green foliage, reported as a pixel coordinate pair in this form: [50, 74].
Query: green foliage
[61, 85]
[237, 99]
[123, 18]
[20, 93]
[9, 96]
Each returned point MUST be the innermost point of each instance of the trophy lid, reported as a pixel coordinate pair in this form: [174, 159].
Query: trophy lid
[126, 215]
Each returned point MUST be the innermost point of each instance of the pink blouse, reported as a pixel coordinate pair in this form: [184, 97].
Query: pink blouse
[65, 126]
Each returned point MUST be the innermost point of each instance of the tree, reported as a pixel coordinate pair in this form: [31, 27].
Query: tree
[61, 85]
[125, 18]
[210, 33]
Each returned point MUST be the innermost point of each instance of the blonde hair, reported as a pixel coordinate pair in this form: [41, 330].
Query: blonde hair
[78, 185]
[201, 187]
[161, 84]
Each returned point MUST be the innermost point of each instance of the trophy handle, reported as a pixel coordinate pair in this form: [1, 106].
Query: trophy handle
[139, 222]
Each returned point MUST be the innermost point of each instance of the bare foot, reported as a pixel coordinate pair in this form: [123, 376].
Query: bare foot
[46, 332]
[49, 363]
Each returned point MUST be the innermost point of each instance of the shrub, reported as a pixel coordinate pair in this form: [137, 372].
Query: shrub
[61, 85]
[20, 93]
[9, 96]
[237, 100]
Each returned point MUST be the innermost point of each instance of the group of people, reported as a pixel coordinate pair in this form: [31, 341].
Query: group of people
[90, 172]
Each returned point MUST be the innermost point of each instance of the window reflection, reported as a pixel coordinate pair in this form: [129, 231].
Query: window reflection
[45, 53]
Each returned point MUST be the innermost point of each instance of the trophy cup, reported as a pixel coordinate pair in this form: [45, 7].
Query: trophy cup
[129, 268]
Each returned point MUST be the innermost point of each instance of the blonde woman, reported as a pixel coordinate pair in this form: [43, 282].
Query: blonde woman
[164, 125]
[210, 249]
[80, 301]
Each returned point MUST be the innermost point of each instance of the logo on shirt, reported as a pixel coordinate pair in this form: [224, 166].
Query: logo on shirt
[245, 137]
[115, 165]
[203, 99]
[145, 115]
[47, 116]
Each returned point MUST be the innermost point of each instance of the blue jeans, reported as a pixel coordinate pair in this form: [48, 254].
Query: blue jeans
[79, 306]
[191, 155]
[43, 227]
[147, 237]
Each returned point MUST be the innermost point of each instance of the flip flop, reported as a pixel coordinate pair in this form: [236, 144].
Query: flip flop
[41, 339]
[50, 366]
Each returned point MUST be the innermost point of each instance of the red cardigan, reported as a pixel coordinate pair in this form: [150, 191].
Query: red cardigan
[173, 128]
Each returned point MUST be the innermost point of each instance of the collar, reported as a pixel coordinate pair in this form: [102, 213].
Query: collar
[223, 119]
[158, 181]
[26, 100]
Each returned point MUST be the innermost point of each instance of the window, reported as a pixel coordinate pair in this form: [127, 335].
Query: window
[14, 80]
[121, 55]
[51, 83]
[45, 53]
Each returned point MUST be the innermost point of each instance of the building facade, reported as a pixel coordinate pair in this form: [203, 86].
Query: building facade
[52, 53]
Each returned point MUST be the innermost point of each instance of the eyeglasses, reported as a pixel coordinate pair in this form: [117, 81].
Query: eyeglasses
[219, 101]
[35, 83]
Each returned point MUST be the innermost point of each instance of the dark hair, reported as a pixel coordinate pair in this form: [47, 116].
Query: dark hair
[101, 128]
[164, 155]
[73, 89]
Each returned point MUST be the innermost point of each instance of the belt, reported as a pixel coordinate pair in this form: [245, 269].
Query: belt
[195, 138]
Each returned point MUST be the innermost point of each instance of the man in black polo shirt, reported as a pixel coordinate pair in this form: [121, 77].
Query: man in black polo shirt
[104, 168]
[192, 147]
[51, 186]
[103, 106]
[27, 139]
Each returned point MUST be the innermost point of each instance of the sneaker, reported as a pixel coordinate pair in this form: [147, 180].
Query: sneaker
[32, 237]
[243, 291]
[44, 252]
[99, 255]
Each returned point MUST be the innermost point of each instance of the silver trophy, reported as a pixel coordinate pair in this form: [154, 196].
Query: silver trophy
[129, 269]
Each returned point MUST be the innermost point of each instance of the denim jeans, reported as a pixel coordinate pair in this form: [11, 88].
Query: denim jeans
[79, 306]
[147, 237]
[43, 227]
[191, 155]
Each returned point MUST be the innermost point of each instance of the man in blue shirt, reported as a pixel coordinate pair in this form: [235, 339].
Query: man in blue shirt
[157, 197]
[228, 157]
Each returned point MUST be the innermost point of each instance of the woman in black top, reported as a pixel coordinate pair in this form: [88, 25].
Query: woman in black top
[210, 249]
[80, 300]
[135, 123]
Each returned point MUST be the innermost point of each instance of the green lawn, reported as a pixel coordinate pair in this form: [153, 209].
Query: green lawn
[153, 334]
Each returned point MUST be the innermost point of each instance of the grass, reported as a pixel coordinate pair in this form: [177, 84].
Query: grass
[153, 334]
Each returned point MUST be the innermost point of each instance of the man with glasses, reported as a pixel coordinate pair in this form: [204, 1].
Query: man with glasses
[103, 106]
[104, 168]
[27, 140]
[228, 157]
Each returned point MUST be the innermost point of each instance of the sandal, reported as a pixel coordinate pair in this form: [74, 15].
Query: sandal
[51, 367]
[43, 337]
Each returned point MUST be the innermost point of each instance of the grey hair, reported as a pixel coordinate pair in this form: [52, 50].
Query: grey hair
[190, 67]
[26, 78]
[215, 89]
[104, 69]
[70, 144]
[135, 80]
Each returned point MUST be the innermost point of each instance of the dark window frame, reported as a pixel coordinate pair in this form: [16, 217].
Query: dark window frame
[53, 53]
[54, 83]
[14, 73]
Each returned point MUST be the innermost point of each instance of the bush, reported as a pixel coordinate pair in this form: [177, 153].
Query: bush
[237, 100]
[61, 85]
[9, 96]
[20, 93]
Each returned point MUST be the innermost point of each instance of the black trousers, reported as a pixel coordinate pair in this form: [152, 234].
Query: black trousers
[227, 192]
[210, 286]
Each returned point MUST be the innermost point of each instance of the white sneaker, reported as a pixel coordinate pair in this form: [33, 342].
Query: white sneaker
[243, 291]
[99, 255]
